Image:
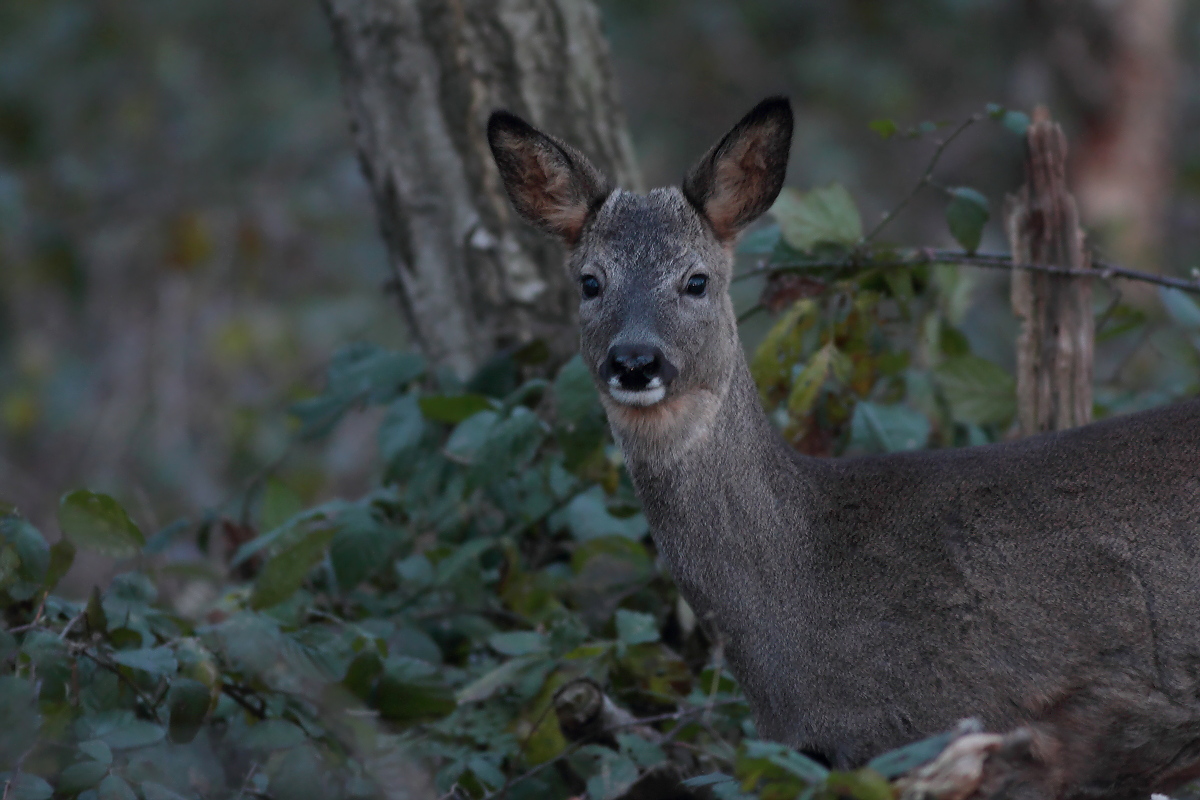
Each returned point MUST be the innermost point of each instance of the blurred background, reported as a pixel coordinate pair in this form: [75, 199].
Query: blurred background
[186, 236]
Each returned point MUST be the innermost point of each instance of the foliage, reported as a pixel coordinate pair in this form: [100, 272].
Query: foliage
[434, 626]
[431, 621]
[871, 352]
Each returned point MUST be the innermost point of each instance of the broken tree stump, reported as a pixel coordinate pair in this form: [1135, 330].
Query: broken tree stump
[1056, 340]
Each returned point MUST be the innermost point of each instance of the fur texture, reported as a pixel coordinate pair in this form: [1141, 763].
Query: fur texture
[1052, 582]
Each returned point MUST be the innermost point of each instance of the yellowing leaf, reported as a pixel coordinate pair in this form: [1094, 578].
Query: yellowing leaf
[808, 383]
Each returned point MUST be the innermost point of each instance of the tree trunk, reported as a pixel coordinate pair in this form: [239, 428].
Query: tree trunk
[1116, 62]
[1055, 343]
[420, 78]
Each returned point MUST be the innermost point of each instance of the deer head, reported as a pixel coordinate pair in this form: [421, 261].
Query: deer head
[658, 330]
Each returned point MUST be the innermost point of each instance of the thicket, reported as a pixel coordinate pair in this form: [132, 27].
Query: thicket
[492, 615]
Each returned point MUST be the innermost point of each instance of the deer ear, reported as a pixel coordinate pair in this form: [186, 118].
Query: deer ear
[551, 184]
[741, 176]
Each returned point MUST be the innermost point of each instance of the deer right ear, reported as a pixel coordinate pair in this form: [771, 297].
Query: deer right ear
[551, 184]
[741, 176]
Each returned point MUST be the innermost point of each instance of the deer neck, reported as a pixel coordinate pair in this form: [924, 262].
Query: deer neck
[729, 503]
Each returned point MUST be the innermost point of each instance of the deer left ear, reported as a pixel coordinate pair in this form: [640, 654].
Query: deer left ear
[551, 184]
[739, 178]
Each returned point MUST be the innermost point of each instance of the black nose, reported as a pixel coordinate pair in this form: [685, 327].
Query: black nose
[634, 366]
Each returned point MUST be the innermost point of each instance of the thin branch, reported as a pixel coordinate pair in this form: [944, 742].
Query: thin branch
[236, 694]
[925, 179]
[917, 257]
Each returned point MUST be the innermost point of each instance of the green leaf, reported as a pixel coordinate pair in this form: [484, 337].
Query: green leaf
[410, 690]
[402, 428]
[272, 734]
[24, 786]
[977, 390]
[30, 547]
[884, 127]
[10, 565]
[156, 791]
[483, 768]
[62, 556]
[97, 522]
[132, 734]
[279, 504]
[587, 517]
[158, 661]
[760, 242]
[634, 627]
[888, 428]
[707, 780]
[163, 539]
[358, 373]
[18, 709]
[861, 784]
[508, 447]
[518, 643]
[187, 707]
[801, 766]
[287, 569]
[496, 679]
[609, 775]
[114, 787]
[453, 408]
[1182, 308]
[897, 762]
[469, 436]
[84, 775]
[97, 750]
[464, 555]
[826, 215]
[580, 423]
[646, 754]
[359, 547]
[368, 370]
[966, 214]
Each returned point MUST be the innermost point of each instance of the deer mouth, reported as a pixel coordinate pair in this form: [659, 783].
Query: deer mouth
[653, 392]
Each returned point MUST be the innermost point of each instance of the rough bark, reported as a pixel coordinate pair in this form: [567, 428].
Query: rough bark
[1055, 343]
[420, 78]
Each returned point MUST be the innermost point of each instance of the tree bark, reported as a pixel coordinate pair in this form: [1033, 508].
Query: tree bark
[420, 78]
[1116, 62]
[1056, 340]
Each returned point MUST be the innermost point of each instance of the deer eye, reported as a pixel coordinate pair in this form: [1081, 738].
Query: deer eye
[590, 286]
[696, 285]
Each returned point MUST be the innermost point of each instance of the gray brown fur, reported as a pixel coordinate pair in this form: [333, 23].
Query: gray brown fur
[864, 603]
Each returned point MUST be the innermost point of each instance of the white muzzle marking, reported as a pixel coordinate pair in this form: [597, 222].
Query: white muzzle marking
[654, 392]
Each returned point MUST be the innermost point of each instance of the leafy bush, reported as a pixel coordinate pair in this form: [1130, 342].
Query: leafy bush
[491, 618]
[429, 624]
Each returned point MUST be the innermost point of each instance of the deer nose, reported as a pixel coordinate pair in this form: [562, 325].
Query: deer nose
[637, 366]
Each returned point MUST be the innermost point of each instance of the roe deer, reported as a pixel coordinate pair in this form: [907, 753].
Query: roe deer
[1052, 582]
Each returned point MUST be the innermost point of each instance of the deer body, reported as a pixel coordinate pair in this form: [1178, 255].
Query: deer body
[864, 603]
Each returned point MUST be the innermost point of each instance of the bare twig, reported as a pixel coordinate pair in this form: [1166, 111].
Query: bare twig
[235, 693]
[926, 178]
[71, 624]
